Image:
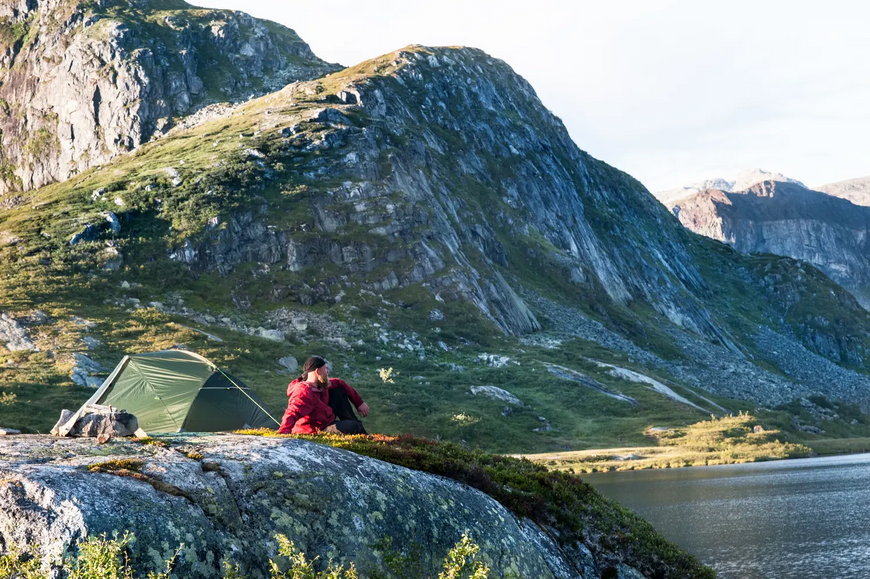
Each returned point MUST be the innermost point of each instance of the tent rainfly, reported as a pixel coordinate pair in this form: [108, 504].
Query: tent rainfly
[180, 391]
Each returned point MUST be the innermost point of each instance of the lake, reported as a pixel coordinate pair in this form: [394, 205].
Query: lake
[792, 518]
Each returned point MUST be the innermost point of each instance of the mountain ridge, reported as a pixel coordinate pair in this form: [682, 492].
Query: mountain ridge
[785, 219]
[741, 182]
[855, 190]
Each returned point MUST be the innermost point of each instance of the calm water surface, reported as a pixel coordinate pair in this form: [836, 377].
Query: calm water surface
[794, 518]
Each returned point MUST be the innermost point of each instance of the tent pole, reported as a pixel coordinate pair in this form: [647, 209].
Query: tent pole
[246, 394]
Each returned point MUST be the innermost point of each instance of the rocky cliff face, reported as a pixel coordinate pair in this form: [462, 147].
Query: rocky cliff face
[786, 219]
[81, 82]
[226, 497]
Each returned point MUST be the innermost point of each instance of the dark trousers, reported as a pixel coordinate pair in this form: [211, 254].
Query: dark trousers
[346, 420]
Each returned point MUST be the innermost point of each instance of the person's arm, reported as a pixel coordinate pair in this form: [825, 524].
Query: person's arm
[352, 394]
[297, 407]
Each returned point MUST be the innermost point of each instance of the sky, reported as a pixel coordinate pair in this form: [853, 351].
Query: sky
[669, 91]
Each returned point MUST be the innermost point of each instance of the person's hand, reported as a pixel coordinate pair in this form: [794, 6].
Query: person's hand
[331, 429]
[363, 409]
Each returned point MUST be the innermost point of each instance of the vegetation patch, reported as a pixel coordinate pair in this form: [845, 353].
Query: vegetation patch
[726, 440]
[117, 465]
[101, 557]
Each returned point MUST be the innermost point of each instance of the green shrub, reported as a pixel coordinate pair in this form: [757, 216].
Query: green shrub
[462, 561]
[300, 567]
[102, 558]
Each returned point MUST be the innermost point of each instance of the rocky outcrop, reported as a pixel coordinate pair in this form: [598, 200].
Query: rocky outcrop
[786, 219]
[13, 336]
[225, 497]
[855, 190]
[83, 82]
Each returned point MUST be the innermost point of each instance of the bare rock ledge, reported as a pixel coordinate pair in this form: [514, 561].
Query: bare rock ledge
[226, 496]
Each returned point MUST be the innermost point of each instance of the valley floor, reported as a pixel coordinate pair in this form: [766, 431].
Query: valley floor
[727, 440]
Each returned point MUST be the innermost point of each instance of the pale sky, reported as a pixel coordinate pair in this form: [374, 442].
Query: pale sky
[669, 91]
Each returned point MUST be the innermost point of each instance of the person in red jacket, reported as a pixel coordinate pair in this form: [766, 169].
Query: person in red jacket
[318, 403]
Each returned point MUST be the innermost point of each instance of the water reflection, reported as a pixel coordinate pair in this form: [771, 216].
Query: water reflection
[796, 518]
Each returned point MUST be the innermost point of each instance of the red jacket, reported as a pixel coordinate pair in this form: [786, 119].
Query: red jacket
[308, 409]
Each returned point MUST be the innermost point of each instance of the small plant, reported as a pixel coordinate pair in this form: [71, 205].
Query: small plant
[7, 398]
[167, 574]
[387, 375]
[465, 419]
[462, 555]
[19, 565]
[102, 558]
[300, 567]
[231, 570]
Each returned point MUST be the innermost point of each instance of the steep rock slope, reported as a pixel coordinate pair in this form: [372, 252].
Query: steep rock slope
[786, 219]
[453, 168]
[855, 190]
[81, 82]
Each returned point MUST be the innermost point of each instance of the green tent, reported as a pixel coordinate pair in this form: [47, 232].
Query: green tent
[179, 391]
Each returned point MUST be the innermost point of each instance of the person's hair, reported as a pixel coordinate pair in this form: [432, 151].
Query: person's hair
[312, 364]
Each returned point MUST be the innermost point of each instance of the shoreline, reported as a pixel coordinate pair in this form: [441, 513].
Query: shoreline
[620, 459]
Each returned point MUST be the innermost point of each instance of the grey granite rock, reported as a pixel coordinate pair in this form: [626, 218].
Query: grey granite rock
[229, 501]
[13, 336]
[85, 371]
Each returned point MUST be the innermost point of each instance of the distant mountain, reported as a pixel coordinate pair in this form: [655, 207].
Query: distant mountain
[855, 190]
[744, 180]
[790, 220]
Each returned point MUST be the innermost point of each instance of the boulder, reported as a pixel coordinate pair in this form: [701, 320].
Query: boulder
[89, 233]
[496, 393]
[114, 222]
[96, 421]
[225, 497]
[13, 336]
[289, 365]
[84, 371]
[274, 335]
[330, 116]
